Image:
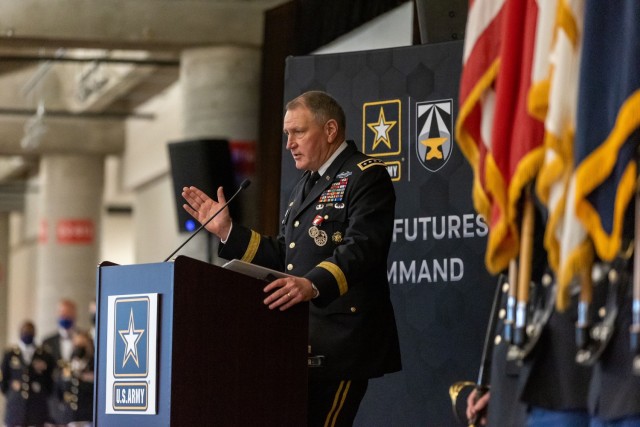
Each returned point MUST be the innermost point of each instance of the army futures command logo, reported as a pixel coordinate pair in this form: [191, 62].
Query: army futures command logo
[434, 125]
[131, 354]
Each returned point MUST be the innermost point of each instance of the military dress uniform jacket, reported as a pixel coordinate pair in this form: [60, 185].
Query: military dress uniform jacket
[26, 386]
[53, 345]
[74, 388]
[550, 377]
[338, 237]
[615, 389]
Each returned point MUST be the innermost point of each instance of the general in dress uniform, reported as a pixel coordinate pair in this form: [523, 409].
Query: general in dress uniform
[338, 237]
[334, 238]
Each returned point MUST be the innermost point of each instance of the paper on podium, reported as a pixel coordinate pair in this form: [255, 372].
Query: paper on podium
[253, 270]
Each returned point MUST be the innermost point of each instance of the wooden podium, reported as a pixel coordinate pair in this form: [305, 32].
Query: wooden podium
[221, 356]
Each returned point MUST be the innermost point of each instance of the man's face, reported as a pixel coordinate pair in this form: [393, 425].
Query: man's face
[67, 311]
[308, 141]
[27, 329]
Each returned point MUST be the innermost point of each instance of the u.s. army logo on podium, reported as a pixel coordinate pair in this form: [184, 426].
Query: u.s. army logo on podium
[131, 354]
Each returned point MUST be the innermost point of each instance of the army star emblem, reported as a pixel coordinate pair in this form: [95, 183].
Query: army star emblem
[381, 130]
[131, 336]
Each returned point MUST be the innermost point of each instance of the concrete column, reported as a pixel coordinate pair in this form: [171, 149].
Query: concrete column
[23, 255]
[4, 276]
[220, 89]
[70, 207]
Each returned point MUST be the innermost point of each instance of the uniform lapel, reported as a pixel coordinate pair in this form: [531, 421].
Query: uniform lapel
[325, 180]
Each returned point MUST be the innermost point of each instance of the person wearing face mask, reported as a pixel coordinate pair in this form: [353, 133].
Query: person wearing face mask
[60, 346]
[26, 380]
[74, 387]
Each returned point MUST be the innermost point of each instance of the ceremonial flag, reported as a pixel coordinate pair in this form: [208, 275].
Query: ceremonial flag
[608, 120]
[477, 90]
[499, 137]
[564, 233]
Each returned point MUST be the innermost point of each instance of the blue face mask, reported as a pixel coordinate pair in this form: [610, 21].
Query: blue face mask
[65, 323]
[26, 338]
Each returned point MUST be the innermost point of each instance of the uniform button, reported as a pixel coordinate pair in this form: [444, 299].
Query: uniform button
[25, 386]
[25, 395]
[74, 406]
[502, 313]
[75, 381]
[497, 340]
[74, 390]
[291, 204]
[297, 223]
[602, 311]
[25, 377]
[290, 267]
[326, 217]
[292, 245]
[505, 288]
[353, 309]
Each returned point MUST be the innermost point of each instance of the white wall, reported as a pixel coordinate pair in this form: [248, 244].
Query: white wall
[393, 29]
[146, 174]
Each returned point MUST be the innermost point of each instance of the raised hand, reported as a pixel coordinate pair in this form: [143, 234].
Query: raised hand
[202, 207]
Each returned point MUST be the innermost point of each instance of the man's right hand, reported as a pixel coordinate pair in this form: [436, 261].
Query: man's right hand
[477, 408]
[202, 207]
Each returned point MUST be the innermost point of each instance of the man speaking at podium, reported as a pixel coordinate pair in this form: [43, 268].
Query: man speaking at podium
[334, 239]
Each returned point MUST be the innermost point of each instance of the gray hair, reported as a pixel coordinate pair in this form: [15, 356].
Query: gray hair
[323, 107]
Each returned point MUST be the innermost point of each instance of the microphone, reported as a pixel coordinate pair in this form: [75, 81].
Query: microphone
[243, 185]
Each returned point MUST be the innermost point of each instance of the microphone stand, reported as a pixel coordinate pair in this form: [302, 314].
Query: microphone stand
[243, 185]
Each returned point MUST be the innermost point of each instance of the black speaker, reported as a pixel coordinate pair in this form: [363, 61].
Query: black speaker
[202, 163]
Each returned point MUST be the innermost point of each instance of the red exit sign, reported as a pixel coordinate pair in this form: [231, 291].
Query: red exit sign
[75, 231]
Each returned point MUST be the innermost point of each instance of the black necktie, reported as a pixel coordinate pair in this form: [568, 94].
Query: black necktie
[311, 181]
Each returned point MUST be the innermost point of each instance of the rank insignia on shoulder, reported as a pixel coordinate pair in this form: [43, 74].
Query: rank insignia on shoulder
[343, 174]
[365, 164]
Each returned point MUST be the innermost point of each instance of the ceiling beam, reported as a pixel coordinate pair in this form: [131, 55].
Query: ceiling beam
[132, 24]
[64, 135]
